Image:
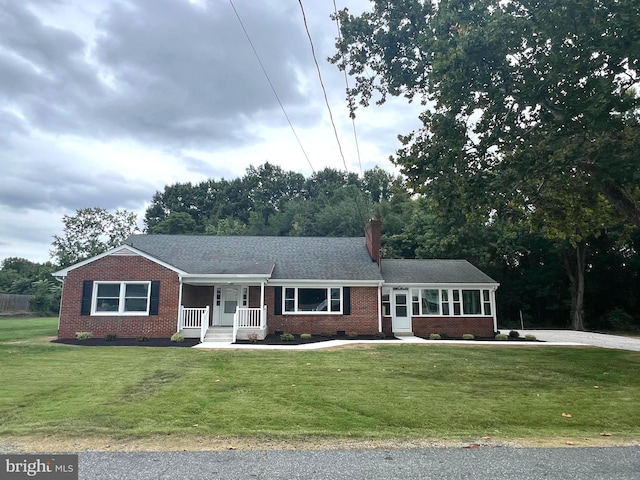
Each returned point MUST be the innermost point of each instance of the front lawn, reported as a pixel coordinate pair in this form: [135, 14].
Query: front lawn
[387, 391]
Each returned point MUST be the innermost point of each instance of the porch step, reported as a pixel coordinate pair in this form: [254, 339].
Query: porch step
[403, 334]
[219, 334]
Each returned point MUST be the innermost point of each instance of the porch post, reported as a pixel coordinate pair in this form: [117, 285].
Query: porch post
[179, 306]
[263, 321]
[493, 308]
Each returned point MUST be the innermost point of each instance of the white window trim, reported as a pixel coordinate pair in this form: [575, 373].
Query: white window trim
[121, 301]
[451, 302]
[311, 312]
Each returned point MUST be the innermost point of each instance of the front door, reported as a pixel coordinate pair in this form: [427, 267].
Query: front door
[400, 311]
[228, 304]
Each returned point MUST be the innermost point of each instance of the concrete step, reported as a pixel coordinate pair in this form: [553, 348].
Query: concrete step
[403, 334]
[219, 334]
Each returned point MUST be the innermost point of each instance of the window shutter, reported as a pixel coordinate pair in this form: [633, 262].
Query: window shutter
[87, 293]
[346, 300]
[277, 304]
[155, 298]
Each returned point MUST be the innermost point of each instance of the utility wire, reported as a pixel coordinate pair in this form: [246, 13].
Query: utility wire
[271, 85]
[346, 82]
[356, 200]
[324, 90]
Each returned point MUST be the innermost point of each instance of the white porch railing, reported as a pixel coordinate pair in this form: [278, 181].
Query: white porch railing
[254, 318]
[195, 318]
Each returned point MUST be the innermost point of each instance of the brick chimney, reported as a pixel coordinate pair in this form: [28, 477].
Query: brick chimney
[373, 235]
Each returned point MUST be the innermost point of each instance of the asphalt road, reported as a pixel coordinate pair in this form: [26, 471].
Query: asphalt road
[615, 463]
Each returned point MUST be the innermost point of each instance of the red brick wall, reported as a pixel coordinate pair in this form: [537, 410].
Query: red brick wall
[453, 326]
[199, 296]
[363, 318]
[114, 268]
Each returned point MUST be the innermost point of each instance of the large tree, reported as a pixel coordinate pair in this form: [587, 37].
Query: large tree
[89, 232]
[527, 102]
[524, 90]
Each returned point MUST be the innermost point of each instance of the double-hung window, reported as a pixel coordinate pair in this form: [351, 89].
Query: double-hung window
[312, 299]
[121, 298]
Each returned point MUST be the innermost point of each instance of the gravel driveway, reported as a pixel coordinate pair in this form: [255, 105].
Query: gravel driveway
[586, 338]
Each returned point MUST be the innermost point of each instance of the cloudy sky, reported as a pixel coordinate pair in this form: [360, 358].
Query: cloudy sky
[103, 103]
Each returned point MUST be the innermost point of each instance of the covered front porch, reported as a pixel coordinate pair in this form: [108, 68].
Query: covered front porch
[222, 312]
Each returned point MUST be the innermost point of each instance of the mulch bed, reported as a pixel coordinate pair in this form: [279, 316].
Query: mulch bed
[128, 342]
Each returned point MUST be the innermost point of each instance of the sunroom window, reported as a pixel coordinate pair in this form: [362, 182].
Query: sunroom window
[118, 298]
[433, 301]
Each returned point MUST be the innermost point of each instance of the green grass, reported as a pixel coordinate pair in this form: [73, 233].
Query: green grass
[381, 392]
[17, 329]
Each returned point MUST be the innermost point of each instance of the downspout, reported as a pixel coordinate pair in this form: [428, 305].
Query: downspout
[61, 280]
[179, 304]
[493, 309]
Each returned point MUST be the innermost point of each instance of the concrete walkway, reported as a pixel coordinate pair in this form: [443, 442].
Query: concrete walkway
[586, 338]
[400, 341]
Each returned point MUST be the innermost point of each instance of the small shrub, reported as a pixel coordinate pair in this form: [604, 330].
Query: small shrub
[380, 335]
[143, 338]
[502, 336]
[84, 335]
[530, 337]
[252, 337]
[326, 334]
[468, 336]
[305, 335]
[110, 337]
[619, 320]
[287, 337]
[435, 336]
[444, 335]
[177, 337]
[514, 334]
[352, 334]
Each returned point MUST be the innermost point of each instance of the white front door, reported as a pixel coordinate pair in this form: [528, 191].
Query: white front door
[401, 311]
[228, 303]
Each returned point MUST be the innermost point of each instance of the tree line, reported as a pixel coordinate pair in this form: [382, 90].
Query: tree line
[267, 200]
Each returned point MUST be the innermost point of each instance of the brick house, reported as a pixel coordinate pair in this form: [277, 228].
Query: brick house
[225, 287]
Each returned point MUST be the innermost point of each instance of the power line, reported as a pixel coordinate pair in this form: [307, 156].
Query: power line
[324, 90]
[359, 208]
[255, 52]
[346, 82]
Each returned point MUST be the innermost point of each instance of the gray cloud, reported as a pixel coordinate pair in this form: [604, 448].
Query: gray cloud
[166, 76]
[165, 71]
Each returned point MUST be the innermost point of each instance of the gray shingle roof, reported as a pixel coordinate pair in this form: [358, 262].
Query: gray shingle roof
[432, 271]
[295, 258]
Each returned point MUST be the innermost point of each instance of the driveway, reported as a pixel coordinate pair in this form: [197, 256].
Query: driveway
[586, 338]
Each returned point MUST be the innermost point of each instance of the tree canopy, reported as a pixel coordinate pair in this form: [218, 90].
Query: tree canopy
[268, 200]
[89, 232]
[531, 109]
[519, 93]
